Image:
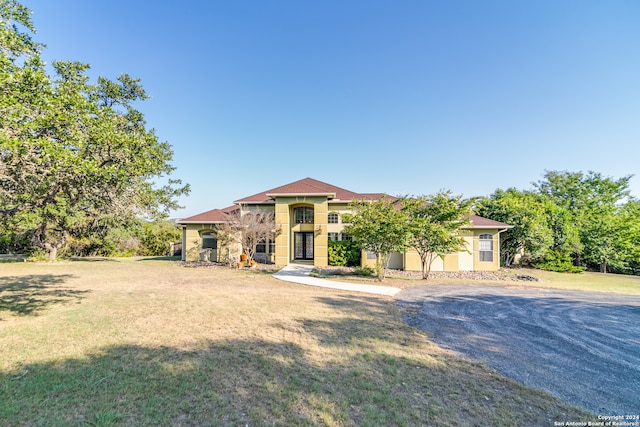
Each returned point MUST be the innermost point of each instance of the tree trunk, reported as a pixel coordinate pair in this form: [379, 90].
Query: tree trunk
[50, 248]
[53, 252]
[380, 266]
[426, 262]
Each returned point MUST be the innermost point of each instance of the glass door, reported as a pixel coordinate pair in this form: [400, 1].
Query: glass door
[303, 246]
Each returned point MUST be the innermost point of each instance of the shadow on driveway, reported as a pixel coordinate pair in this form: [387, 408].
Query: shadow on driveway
[583, 347]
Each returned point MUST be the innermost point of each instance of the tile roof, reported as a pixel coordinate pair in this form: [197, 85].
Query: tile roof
[478, 221]
[305, 186]
[309, 186]
[210, 217]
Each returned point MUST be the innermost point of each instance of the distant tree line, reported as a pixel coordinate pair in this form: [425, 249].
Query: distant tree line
[134, 237]
[569, 221]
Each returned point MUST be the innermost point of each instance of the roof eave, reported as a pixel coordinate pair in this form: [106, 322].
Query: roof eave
[330, 195]
[202, 222]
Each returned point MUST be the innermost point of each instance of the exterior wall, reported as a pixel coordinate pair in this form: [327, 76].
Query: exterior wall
[286, 227]
[396, 261]
[192, 245]
[283, 231]
[465, 258]
[321, 238]
[450, 263]
[340, 209]
[486, 265]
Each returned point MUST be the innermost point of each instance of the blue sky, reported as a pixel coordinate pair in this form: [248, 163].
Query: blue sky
[402, 97]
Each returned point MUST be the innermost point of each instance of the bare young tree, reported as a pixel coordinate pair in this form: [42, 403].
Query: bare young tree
[252, 228]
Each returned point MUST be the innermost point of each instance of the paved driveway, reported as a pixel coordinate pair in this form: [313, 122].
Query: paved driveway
[579, 346]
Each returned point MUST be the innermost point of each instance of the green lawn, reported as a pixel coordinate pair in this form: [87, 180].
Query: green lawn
[148, 342]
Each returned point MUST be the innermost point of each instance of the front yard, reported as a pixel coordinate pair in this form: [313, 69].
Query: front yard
[148, 342]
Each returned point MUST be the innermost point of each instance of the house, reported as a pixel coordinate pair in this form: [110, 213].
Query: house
[308, 215]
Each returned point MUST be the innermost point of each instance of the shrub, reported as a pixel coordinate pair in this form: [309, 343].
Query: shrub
[555, 261]
[343, 253]
[363, 271]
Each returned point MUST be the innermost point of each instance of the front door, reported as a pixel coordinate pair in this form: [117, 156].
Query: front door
[303, 245]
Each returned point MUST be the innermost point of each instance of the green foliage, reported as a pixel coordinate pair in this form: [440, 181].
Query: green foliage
[38, 255]
[433, 223]
[558, 262]
[365, 271]
[377, 226]
[73, 151]
[527, 212]
[592, 204]
[571, 219]
[157, 237]
[344, 253]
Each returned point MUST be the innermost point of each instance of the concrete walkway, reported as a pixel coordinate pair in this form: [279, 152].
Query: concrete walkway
[298, 273]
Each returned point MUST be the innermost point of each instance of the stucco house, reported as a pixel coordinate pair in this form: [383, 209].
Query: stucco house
[308, 215]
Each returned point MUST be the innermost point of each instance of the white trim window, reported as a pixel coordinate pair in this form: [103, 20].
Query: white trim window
[485, 247]
[332, 218]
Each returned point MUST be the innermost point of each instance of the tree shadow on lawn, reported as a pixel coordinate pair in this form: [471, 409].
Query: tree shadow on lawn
[366, 378]
[27, 295]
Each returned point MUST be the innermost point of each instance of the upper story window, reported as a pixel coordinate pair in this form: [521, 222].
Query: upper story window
[303, 215]
[209, 241]
[333, 218]
[485, 246]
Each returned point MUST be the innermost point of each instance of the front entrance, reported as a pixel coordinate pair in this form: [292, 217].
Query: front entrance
[303, 246]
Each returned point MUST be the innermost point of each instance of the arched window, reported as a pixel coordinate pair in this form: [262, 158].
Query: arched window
[333, 218]
[486, 247]
[303, 215]
[209, 241]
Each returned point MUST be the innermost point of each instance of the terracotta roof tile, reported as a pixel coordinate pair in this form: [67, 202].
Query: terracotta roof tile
[212, 216]
[311, 186]
[480, 222]
[303, 186]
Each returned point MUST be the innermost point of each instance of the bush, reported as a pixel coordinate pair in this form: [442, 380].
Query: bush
[38, 255]
[555, 261]
[343, 253]
[363, 271]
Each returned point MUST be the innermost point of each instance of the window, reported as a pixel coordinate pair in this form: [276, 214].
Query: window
[486, 247]
[346, 237]
[272, 246]
[333, 218]
[209, 241]
[371, 255]
[303, 215]
[261, 247]
[333, 237]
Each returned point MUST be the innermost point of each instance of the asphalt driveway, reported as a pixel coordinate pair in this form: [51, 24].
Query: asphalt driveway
[582, 347]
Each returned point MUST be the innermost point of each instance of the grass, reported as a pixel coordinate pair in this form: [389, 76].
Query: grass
[147, 342]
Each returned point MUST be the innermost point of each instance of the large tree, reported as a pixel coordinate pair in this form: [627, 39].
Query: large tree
[378, 227]
[531, 235]
[434, 226]
[71, 150]
[593, 205]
